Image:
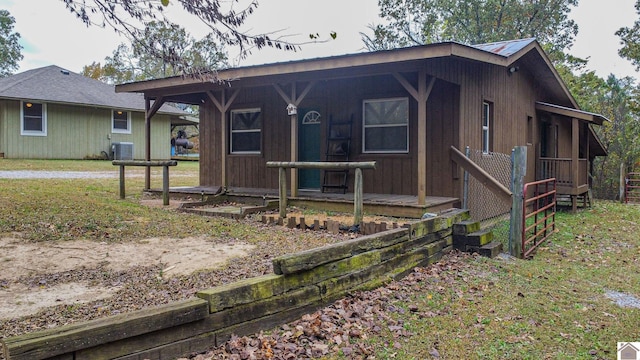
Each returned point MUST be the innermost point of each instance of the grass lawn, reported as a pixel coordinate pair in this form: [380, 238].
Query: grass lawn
[554, 306]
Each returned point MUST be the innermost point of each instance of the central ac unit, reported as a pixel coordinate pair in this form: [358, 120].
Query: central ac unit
[122, 150]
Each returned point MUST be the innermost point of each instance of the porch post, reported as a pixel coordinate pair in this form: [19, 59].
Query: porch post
[147, 142]
[422, 136]
[294, 154]
[222, 106]
[575, 167]
[223, 141]
[294, 141]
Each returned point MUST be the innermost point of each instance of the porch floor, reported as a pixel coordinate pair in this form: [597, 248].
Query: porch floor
[375, 204]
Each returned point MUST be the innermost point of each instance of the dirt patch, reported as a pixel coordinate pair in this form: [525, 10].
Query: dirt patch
[20, 300]
[20, 259]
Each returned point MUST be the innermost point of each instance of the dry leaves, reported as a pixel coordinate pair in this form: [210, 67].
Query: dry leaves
[343, 327]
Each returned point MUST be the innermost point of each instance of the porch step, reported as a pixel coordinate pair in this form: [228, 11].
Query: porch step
[466, 227]
[469, 237]
[491, 250]
[582, 200]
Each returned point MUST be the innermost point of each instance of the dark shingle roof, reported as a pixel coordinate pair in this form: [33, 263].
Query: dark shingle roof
[55, 84]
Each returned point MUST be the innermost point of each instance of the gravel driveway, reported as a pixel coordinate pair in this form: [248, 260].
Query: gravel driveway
[37, 174]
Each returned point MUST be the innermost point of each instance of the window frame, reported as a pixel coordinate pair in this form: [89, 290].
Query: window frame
[232, 131]
[113, 122]
[486, 124]
[43, 119]
[365, 126]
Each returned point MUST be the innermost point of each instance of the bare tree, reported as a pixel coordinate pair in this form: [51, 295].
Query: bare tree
[222, 17]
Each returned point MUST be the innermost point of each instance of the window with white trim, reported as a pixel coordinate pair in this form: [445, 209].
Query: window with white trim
[121, 122]
[487, 114]
[33, 119]
[385, 125]
[246, 131]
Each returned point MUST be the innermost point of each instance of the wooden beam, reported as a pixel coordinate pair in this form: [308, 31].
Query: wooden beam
[282, 177]
[519, 169]
[410, 89]
[284, 96]
[575, 166]
[357, 197]
[223, 105]
[304, 93]
[215, 102]
[157, 104]
[358, 190]
[67, 339]
[349, 63]
[147, 142]
[424, 90]
[294, 144]
[477, 172]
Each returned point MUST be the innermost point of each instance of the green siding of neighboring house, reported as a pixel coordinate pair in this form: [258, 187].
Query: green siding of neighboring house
[78, 132]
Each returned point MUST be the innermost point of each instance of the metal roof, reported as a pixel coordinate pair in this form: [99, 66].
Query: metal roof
[505, 48]
[57, 85]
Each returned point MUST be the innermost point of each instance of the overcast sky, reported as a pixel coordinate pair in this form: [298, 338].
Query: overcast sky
[51, 35]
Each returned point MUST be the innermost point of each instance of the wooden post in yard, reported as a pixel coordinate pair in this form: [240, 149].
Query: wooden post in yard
[282, 178]
[121, 181]
[357, 197]
[165, 185]
[623, 182]
[518, 172]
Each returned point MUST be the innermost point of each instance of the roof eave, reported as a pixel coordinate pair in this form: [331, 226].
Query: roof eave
[100, 106]
[415, 53]
[573, 113]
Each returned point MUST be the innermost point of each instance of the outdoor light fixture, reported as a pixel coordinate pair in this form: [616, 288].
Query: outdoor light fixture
[513, 69]
[28, 104]
[119, 112]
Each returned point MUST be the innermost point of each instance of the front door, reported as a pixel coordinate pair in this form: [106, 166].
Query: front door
[309, 147]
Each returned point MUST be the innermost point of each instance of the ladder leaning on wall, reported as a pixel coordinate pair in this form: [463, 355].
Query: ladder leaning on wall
[338, 149]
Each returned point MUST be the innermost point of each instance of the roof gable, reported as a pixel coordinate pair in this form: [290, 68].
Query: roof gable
[505, 48]
[57, 85]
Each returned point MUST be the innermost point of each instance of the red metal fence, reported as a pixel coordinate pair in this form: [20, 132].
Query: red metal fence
[539, 214]
[632, 188]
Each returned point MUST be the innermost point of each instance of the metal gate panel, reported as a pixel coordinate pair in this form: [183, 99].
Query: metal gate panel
[539, 214]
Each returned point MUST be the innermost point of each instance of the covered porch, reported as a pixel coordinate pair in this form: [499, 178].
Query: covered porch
[571, 172]
[405, 206]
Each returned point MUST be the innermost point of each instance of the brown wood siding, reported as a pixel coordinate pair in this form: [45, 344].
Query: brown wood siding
[210, 154]
[454, 113]
[513, 98]
[394, 173]
[442, 132]
[564, 136]
[250, 170]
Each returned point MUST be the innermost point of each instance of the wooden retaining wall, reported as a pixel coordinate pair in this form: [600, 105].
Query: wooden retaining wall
[301, 283]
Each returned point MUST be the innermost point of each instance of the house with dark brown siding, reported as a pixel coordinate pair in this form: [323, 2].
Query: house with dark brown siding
[406, 109]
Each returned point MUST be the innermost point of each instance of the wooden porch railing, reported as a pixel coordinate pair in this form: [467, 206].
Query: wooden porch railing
[337, 165]
[560, 168]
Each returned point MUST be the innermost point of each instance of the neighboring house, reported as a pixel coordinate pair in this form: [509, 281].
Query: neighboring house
[409, 107]
[52, 113]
